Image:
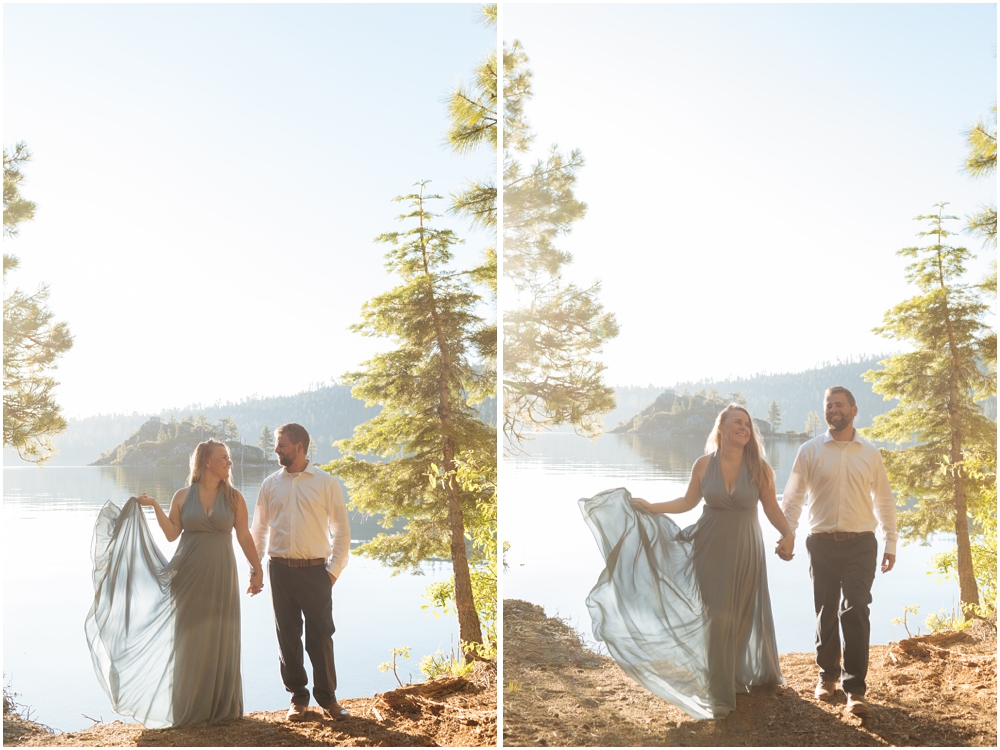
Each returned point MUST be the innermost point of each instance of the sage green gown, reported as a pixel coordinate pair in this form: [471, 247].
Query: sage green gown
[686, 612]
[165, 636]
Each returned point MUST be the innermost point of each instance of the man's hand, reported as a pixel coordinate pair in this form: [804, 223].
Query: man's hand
[785, 547]
[887, 562]
[333, 578]
[256, 582]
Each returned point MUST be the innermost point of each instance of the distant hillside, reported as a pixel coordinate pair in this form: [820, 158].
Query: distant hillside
[329, 413]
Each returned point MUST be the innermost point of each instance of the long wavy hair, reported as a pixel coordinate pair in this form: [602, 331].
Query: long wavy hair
[199, 460]
[760, 470]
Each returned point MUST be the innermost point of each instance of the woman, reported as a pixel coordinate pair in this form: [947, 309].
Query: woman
[686, 612]
[165, 637]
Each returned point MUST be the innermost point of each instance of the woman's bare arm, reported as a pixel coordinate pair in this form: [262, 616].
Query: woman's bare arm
[170, 524]
[242, 528]
[772, 510]
[690, 499]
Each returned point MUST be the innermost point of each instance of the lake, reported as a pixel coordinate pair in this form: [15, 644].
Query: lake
[554, 560]
[48, 522]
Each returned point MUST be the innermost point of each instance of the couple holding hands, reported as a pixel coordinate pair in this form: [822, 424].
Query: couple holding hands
[687, 613]
[165, 636]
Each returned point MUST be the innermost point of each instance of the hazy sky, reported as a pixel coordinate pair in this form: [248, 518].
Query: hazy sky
[751, 170]
[209, 179]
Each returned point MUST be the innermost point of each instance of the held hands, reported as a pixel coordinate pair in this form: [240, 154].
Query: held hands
[785, 546]
[640, 504]
[887, 562]
[256, 582]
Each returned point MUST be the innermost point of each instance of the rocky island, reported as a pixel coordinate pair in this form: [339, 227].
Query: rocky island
[689, 415]
[171, 442]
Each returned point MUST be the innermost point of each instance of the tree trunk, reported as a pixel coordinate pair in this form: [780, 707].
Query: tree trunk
[967, 587]
[469, 628]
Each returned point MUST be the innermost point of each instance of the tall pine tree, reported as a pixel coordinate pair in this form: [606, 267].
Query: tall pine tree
[31, 340]
[938, 384]
[554, 331]
[426, 421]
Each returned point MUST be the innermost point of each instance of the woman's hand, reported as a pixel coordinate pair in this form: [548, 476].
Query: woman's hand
[641, 504]
[256, 582]
[145, 499]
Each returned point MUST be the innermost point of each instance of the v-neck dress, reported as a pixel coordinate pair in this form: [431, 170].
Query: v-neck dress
[165, 636]
[686, 612]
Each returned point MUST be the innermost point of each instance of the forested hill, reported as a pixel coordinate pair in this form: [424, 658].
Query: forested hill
[329, 413]
[796, 393]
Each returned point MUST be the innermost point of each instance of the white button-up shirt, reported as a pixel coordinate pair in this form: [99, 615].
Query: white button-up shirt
[847, 486]
[298, 514]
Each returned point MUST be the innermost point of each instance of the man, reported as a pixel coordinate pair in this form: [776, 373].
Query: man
[848, 490]
[298, 509]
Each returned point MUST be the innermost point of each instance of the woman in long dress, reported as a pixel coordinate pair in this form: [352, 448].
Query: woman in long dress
[686, 612]
[165, 636]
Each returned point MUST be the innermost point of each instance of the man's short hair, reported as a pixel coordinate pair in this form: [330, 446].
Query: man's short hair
[296, 433]
[840, 389]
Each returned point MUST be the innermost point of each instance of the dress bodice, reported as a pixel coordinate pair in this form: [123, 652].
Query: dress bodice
[713, 488]
[194, 517]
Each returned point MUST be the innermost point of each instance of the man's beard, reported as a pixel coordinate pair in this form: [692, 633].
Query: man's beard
[284, 460]
[837, 423]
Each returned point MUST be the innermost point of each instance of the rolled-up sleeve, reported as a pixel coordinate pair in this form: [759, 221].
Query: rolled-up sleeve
[340, 531]
[259, 529]
[885, 506]
[794, 496]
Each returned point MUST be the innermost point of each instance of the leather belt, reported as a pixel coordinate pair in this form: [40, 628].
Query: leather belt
[293, 563]
[841, 536]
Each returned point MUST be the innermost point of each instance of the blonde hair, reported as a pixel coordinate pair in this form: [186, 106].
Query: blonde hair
[760, 470]
[199, 459]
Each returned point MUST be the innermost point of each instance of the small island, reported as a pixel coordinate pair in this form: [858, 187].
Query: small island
[689, 415]
[171, 443]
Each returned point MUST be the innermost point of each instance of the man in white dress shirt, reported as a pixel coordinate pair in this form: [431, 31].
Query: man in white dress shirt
[849, 496]
[299, 509]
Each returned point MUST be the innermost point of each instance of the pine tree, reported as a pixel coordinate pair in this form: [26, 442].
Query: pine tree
[555, 329]
[813, 422]
[737, 397]
[31, 340]
[266, 442]
[981, 164]
[938, 384]
[773, 416]
[426, 422]
[472, 110]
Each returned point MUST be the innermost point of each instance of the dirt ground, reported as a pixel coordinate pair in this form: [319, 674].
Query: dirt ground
[936, 690]
[437, 713]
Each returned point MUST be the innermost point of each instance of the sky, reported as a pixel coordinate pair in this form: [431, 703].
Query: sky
[210, 178]
[751, 170]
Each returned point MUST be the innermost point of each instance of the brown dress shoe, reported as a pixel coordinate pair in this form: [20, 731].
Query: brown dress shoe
[825, 690]
[296, 713]
[856, 704]
[336, 711]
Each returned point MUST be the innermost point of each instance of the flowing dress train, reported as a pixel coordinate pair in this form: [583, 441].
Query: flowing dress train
[686, 612]
[165, 636]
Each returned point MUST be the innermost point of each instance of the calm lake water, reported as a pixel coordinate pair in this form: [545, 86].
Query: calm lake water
[554, 561]
[48, 521]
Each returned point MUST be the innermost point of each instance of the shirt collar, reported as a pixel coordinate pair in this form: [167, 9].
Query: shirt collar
[310, 469]
[828, 438]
